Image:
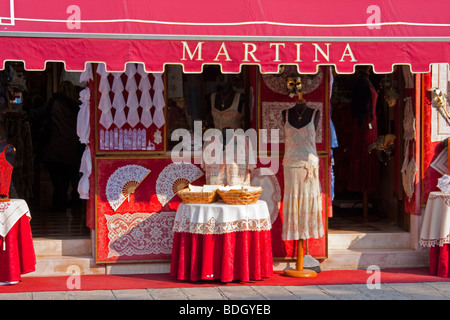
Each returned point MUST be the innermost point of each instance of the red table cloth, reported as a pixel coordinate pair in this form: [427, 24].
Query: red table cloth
[221, 241]
[435, 232]
[17, 254]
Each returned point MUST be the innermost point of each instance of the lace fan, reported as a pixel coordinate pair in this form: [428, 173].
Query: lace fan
[444, 183]
[123, 182]
[174, 177]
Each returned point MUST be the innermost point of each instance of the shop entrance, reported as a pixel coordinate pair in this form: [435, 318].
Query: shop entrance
[40, 170]
[369, 189]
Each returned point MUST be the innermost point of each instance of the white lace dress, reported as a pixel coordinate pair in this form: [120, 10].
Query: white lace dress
[302, 199]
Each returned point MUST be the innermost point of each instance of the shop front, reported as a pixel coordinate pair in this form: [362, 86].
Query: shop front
[154, 83]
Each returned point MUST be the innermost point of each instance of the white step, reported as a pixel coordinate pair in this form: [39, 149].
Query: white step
[372, 240]
[47, 266]
[350, 259]
[62, 247]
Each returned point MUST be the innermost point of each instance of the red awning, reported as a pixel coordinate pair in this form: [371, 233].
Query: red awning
[230, 33]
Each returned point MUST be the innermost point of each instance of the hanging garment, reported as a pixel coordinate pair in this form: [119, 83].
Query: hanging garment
[83, 123]
[409, 167]
[86, 170]
[228, 118]
[302, 199]
[106, 119]
[132, 100]
[86, 75]
[158, 101]
[118, 100]
[146, 101]
[6, 170]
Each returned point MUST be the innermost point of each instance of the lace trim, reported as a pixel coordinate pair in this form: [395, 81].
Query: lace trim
[445, 198]
[215, 227]
[434, 242]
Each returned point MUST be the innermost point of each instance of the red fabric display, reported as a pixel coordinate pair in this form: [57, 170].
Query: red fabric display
[232, 256]
[439, 261]
[6, 170]
[17, 255]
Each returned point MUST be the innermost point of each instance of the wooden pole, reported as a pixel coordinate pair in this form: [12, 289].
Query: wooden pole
[299, 272]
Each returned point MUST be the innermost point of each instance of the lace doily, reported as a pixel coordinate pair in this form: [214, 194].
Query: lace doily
[123, 182]
[444, 183]
[175, 177]
[271, 191]
[272, 117]
[136, 234]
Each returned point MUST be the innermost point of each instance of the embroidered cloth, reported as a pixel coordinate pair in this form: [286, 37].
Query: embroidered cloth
[219, 218]
[436, 221]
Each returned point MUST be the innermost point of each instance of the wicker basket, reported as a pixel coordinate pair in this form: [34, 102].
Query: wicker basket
[240, 196]
[190, 197]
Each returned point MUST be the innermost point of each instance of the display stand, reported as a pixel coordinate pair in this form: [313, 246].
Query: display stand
[299, 272]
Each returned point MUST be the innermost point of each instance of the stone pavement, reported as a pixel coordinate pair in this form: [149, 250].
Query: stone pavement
[391, 291]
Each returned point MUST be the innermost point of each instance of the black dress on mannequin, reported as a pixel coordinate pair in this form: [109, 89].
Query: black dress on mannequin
[300, 115]
[10, 154]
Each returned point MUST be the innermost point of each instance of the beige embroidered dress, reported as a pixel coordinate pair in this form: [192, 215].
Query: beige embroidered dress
[302, 200]
[228, 118]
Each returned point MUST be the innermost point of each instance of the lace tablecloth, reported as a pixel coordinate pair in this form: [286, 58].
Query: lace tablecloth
[219, 217]
[435, 232]
[221, 241]
[17, 256]
[10, 213]
[436, 221]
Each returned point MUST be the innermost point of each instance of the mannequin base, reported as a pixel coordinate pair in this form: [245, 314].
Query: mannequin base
[305, 273]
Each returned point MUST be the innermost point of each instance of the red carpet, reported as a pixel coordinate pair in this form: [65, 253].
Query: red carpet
[117, 282]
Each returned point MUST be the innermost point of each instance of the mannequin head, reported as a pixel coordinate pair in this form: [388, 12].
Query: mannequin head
[294, 84]
[224, 82]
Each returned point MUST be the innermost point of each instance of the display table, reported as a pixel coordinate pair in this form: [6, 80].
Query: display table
[221, 241]
[17, 255]
[435, 232]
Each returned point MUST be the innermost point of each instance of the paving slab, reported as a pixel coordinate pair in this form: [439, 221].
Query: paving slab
[241, 293]
[50, 295]
[383, 292]
[309, 293]
[344, 292]
[132, 294]
[419, 291]
[275, 293]
[207, 293]
[167, 294]
[442, 287]
[16, 296]
[91, 295]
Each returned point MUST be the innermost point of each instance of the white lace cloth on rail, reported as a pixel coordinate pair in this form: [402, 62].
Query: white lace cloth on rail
[10, 213]
[436, 221]
[219, 218]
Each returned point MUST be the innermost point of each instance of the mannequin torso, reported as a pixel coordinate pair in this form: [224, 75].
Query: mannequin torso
[300, 115]
[226, 107]
[7, 155]
[10, 151]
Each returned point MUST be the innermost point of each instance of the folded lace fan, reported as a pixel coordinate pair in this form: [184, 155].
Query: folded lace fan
[174, 177]
[123, 182]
